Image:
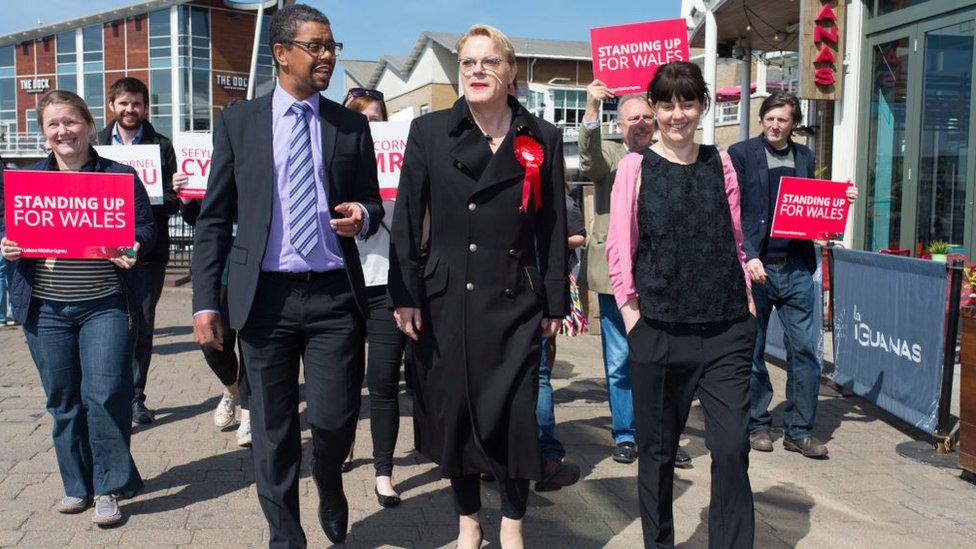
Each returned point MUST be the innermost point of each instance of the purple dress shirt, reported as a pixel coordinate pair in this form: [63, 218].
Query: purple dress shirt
[280, 255]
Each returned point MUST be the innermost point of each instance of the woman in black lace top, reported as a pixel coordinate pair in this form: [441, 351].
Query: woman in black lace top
[678, 275]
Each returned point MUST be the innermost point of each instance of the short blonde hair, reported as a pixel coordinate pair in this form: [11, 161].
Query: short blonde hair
[496, 36]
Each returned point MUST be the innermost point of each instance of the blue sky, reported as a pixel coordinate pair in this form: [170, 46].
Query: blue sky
[370, 29]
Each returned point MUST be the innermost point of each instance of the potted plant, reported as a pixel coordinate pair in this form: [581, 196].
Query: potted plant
[939, 249]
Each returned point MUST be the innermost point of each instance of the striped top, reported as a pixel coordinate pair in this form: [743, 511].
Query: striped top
[74, 279]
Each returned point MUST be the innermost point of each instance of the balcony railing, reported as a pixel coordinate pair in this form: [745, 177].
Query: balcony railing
[22, 144]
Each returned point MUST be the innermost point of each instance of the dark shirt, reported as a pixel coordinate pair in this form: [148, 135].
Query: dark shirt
[781, 164]
[687, 266]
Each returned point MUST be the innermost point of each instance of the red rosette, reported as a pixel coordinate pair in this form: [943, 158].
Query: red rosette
[528, 153]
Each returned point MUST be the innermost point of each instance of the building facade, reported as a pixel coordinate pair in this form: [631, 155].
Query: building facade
[900, 124]
[168, 44]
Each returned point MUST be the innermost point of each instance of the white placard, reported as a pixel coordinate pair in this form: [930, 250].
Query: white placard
[193, 154]
[389, 142]
[145, 160]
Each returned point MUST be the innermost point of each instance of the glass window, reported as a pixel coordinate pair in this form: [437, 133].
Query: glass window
[888, 6]
[945, 147]
[728, 112]
[160, 88]
[91, 38]
[194, 63]
[568, 107]
[886, 137]
[424, 109]
[8, 94]
[783, 73]
[7, 56]
[32, 126]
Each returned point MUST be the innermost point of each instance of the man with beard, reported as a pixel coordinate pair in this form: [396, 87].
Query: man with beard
[128, 100]
[301, 194]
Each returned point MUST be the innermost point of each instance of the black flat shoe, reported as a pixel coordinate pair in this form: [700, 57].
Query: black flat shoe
[682, 460]
[386, 501]
[334, 517]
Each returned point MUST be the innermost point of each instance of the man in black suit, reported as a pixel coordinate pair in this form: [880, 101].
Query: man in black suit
[782, 271]
[299, 173]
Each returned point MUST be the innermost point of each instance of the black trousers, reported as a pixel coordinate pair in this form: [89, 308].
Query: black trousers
[227, 364]
[669, 363]
[316, 324]
[467, 495]
[155, 273]
[386, 343]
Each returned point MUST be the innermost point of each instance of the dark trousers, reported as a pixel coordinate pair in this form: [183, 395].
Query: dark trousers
[790, 288]
[83, 353]
[668, 364]
[155, 273]
[467, 495]
[386, 343]
[316, 324]
[225, 363]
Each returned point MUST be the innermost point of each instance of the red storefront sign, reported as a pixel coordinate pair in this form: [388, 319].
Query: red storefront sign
[821, 49]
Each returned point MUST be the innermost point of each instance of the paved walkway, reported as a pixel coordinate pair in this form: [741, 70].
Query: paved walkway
[200, 492]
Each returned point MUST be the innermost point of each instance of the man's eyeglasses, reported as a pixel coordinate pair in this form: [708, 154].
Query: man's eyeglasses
[468, 65]
[317, 48]
[362, 92]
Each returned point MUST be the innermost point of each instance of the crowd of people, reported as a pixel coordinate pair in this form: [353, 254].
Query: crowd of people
[299, 265]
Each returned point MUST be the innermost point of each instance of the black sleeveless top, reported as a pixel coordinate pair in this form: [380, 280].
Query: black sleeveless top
[687, 267]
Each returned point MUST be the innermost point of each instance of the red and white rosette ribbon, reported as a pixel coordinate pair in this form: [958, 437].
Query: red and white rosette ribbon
[529, 154]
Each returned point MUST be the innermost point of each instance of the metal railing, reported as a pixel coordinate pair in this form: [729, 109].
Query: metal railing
[15, 144]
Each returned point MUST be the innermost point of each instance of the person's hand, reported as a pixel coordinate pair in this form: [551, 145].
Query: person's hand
[630, 313]
[409, 322]
[181, 180]
[207, 330]
[756, 271]
[351, 221]
[851, 193]
[124, 260]
[550, 327]
[11, 251]
[596, 92]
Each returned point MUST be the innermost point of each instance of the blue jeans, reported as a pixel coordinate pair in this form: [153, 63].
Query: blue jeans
[5, 312]
[615, 352]
[83, 353]
[790, 288]
[545, 415]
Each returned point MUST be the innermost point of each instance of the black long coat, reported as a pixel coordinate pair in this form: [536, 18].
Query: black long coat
[491, 275]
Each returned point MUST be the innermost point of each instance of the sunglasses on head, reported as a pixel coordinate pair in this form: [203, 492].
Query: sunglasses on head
[360, 92]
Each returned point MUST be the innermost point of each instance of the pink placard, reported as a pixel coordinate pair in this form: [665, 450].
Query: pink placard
[625, 57]
[810, 209]
[68, 214]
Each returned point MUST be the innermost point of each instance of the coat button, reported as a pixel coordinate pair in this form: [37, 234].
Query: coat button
[511, 253]
[509, 292]
[473, 247]
[472, 206]
[469, 286]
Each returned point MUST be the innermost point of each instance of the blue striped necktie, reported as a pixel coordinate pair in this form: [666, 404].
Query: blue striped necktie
[302, 219]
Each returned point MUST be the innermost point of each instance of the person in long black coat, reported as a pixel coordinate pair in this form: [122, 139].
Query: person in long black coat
[493, 283]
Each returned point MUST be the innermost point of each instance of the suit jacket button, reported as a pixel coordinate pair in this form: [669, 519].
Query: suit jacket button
[511, 253]
[473, 247]
[469, 286]
[509, 292]
[472, 206]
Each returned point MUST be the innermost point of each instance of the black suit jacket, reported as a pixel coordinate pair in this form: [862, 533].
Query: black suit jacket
[749, 159]
[241, 187]
[171, 204]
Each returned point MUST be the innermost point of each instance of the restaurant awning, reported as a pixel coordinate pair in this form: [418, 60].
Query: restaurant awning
[761, 25]
[732, 93]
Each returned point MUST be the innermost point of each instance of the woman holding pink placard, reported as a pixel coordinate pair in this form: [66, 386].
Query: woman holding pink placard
[79, 318]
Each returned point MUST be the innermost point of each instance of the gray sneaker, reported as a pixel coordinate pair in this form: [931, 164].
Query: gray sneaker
[107, 511]
[71, 505]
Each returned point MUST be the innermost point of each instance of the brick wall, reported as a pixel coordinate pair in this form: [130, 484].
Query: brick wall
[113, 41]
[137, 43]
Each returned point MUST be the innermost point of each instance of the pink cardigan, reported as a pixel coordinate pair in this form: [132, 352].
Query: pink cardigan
[622, 235]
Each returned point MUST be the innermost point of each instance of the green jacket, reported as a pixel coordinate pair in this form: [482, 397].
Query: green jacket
[598, 163]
